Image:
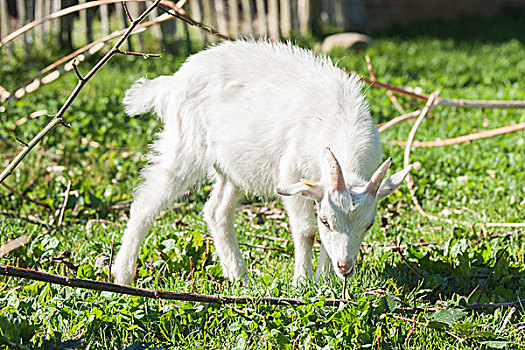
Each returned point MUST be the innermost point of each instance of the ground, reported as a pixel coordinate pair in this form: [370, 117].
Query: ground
[103, 151]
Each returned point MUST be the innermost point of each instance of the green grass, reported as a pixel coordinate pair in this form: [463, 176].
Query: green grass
[104, 150]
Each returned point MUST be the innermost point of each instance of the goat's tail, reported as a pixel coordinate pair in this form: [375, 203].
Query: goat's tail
[142, 96]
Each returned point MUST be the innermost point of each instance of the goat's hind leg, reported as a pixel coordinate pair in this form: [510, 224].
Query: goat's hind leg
[163, 182]
[219, 213]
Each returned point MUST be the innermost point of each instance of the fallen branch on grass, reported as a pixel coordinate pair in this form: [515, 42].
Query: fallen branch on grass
[13, 244]
[389, 93]
[73, 282]
[445, 101]
[154, 294]
[425, 325]
[432, 101]
[465, 138]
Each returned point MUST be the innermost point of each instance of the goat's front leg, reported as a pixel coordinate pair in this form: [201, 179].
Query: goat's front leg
[302, 221]
[324, 267]
[219, 213]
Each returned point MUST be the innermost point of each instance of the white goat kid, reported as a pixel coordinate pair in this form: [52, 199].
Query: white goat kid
[260, 116]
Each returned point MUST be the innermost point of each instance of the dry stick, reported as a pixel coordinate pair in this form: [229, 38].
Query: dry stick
[64, 204]
[447, 102]
[13, 244]
[150, 293]
[344, 289]
[383, 126]
[25, 197]
[262, 247]
[517, 303]
[465, 138]
[425, 325]
[271, 238]
[389, 93]
[58, 118]
[111, 258]
[203, 298]
[410, 182]
[187, 19]
[432, 100]
[490, 275]
[408, 264]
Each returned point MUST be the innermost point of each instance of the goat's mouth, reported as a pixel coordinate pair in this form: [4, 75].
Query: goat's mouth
[349, 273]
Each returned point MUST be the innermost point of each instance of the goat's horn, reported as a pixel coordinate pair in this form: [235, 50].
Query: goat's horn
[373, 186]
[338, 181]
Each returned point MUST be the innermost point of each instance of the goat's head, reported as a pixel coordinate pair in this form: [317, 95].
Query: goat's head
[345, 214]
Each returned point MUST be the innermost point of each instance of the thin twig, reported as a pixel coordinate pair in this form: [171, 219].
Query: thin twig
[185, 18]
[447, 102]
[408, 263]
[142, 54]
[490, 275]
[30, 218]
[262, 247]
[111, 259]
[64, 204]
[58, 119]
[465, 138]
[425, 325]
[389, 93]
[410, 182]
[127, 11]
[271, 238]
[432, 100]
[69, 10]
[383, 126]
[25, 197]
[74, 64]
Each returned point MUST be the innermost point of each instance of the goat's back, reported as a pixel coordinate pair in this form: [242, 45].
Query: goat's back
[261, 114]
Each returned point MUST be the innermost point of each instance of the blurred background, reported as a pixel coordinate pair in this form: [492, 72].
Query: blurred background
[272, 18]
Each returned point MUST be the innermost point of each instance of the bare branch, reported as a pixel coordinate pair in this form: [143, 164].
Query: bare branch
[64, 204]
[446, 102]
[150, 293]
[391, 96]
[74, 64]
[127, 11]
[181, 14]
[25, 197]
[72, 9]
[490, 275]
[58, 119]
[145, 55]
[425, 325]
[383, 126]
[465, 138]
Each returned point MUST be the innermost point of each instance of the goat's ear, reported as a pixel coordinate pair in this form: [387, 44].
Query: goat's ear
[304, 188]
[392, 182]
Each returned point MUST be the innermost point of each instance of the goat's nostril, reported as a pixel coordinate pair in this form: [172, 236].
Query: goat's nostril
[345, 266]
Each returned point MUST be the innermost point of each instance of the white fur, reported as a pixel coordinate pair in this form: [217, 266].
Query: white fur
[256, 116]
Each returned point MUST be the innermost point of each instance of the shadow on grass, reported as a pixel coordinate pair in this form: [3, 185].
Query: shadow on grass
[509, 24]
[459, 272]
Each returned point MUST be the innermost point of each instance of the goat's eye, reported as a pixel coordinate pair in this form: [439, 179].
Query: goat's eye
[369, 227]
[324, 221]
